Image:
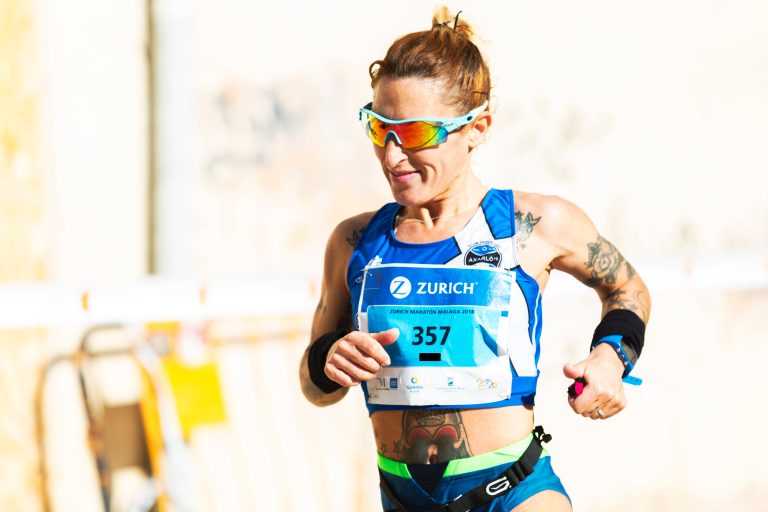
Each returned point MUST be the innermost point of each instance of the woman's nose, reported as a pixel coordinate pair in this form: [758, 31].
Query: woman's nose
[393, 153]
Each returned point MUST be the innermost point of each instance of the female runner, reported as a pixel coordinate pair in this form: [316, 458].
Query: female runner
[433, 302]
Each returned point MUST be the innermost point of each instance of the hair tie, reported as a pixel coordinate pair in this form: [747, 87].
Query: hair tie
[446, 23]
[456, 21]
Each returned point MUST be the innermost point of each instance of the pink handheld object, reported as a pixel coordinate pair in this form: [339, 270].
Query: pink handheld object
[577, 387]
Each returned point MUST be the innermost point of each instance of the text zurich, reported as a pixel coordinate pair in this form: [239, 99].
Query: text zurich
[425, 288]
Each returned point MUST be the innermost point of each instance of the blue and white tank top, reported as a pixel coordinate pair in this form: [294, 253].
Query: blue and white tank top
[469, 316]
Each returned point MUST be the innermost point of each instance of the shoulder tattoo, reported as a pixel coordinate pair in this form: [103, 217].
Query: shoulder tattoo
[354, 237]
[524, 224]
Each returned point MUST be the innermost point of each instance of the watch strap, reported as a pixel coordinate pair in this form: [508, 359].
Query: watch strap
[615, 341]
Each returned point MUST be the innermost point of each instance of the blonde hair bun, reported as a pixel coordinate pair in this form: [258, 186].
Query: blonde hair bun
[443, 18]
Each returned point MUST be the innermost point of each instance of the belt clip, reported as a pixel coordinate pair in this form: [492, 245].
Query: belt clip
[540, 436]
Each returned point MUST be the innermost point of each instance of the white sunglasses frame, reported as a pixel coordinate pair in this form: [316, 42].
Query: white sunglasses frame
[448, 124]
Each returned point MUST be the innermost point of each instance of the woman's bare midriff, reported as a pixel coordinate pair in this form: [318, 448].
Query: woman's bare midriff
[428, 436]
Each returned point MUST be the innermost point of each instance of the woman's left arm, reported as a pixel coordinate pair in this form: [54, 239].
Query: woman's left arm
[583, 253]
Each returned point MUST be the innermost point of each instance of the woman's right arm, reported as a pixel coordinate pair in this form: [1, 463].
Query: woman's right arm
[356, 356]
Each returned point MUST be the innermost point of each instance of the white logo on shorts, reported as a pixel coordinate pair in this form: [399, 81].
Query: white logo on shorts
[497, 486]
[400, 287]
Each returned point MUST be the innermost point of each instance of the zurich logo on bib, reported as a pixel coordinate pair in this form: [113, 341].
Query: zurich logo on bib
[400, 287]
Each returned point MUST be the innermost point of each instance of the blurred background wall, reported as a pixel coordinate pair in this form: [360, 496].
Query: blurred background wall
[165, 154]
[23, 239]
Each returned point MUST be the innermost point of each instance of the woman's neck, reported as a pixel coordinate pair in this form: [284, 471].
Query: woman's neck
[460, 200]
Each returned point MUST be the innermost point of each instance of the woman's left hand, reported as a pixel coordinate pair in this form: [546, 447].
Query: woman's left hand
[603, 394]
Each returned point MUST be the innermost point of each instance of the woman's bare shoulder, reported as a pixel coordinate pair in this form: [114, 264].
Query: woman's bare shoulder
[549, 211]
[347, 232]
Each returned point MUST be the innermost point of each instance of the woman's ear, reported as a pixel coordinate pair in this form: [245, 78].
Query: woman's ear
[479, 129]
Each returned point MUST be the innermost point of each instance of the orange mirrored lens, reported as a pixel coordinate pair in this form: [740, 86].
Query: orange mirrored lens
[412, 135]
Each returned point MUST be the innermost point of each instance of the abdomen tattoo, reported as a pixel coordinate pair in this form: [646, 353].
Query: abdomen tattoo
[432, 435]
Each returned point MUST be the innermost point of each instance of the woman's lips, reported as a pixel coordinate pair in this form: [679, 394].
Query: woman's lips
[403, 177]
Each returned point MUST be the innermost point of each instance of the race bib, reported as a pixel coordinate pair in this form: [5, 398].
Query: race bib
[455, 333]
[439, 335]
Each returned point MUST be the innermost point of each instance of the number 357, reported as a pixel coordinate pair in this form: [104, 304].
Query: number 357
[428, 335]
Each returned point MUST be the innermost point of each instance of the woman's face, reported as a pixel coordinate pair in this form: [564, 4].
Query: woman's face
[421, 176]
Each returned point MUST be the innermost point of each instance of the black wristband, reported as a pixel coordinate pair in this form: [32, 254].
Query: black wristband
[318, 353]
[626, 324]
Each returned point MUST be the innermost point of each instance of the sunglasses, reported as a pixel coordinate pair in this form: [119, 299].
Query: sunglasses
[416, 133]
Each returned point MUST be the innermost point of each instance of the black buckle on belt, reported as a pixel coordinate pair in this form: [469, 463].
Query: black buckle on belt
[492, 489]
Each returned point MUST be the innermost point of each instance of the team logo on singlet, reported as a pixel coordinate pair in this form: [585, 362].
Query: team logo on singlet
[484, 254]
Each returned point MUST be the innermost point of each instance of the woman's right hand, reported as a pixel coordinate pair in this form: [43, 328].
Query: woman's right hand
[358, 356]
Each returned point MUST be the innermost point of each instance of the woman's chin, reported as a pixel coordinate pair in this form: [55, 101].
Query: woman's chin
[408, 197]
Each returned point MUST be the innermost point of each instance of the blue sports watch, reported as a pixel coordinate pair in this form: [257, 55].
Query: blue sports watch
[615, 340]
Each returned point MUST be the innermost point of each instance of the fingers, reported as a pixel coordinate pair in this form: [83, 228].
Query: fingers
[386, 337]
[337, 375]
[371, 344]
[601, 398]
[358, 356]
[573, 371]
[346, 373]
[598, 414]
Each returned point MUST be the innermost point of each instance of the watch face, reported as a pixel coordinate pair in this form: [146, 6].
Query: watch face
[629, 351]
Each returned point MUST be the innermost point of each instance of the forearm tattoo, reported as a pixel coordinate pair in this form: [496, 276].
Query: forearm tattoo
[630, 271]
[634, 301]
[605, 262]
[432, 435]
[524, 224]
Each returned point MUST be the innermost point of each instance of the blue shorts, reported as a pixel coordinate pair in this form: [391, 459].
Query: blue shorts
[462, 475]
